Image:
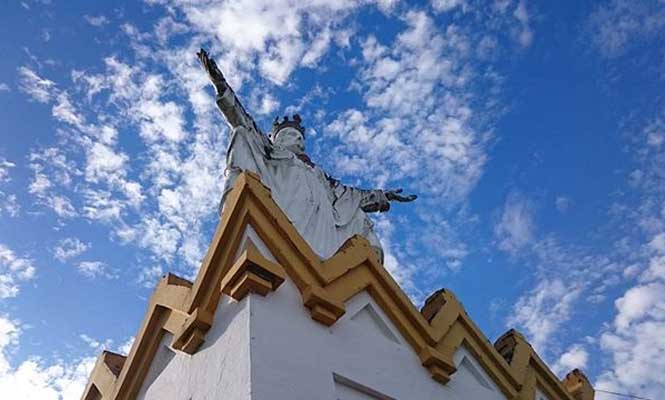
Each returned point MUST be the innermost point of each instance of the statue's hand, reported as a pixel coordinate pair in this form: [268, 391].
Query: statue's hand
[211, 68]
[394, 195]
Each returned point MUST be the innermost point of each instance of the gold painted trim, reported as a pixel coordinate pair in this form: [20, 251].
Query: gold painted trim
[186, 309]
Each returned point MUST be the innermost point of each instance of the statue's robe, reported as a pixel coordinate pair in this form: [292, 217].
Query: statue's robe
[325, 212]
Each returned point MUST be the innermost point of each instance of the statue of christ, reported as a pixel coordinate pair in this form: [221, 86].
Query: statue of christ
[324, 211]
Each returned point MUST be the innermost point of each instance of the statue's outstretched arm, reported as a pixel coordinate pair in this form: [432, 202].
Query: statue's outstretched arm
[227, 101]
[370, 200]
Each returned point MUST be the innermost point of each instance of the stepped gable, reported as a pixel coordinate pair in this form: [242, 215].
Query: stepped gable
[235, 267]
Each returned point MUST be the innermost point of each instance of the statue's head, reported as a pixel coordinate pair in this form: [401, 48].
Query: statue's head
[289, 134]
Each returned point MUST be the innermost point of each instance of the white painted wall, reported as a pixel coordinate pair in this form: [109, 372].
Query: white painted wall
[269, 348]
[221, 366]
[294, 357]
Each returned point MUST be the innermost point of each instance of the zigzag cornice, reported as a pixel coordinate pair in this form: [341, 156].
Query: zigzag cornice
[186, 309]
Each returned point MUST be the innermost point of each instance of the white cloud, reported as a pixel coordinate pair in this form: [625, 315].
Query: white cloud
[633, 341]
[96, 344]
[101, 205]
[562, 203]
[9, 334]
[418, 121]
[515, 227]
[5, 87]
[525, 34]
[636, 345]
[37, 88]
[318, 48]
[657, 244]
[51, 167]
[5, 166]
[576, 356]
[631, 271]
[617, 25]
[40, 184]
[268, 105]
[161, 120]
[104, 164]
[447, 5]
[544, 310]
[9, 204]
[126, 346]
[565, 276]
[149, 276]
[13, 271]
[161, 239]
[64, 111]
[95, 269]
[251, 35]
[69, 248]
[97, 21]
[403, 273]
[639, 302]
[62, 206]
[35, 379]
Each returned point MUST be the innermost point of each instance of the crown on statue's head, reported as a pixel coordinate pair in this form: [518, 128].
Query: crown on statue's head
[286, 123]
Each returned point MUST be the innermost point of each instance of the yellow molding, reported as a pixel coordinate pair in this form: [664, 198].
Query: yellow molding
[530, 368]
[252, 271]
[105, 372]
[578, 385]
[186, 309]
[191, 331]
[323, 308]
[440, 365]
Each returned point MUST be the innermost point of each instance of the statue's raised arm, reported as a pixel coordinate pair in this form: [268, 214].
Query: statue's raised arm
[227, 101]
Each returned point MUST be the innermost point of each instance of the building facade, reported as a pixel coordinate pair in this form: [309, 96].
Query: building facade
[266, 319]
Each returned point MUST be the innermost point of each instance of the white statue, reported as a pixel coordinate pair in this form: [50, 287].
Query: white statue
[324, 211]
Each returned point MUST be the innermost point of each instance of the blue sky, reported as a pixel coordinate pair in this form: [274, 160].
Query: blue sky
[533, 133]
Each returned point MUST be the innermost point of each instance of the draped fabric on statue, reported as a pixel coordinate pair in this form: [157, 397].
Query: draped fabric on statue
[325, 212]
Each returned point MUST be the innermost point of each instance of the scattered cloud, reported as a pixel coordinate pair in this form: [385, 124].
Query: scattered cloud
[617, 25]
[515, 227]
[564, 276]
[5, 166]
[405, 86]
[96, 344]
[544, 310]
[97, 21]
[44, 188]
[64, 111]
[5, 87]
[253, 40]
[562, 204]
[150, 276]
[576, 356]
[447, 5]
[95, 269]
[34, 378]
[37, 88]
[69, 248]
[635, 340]
[525, 34]
[8, 202]
[13, 271]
